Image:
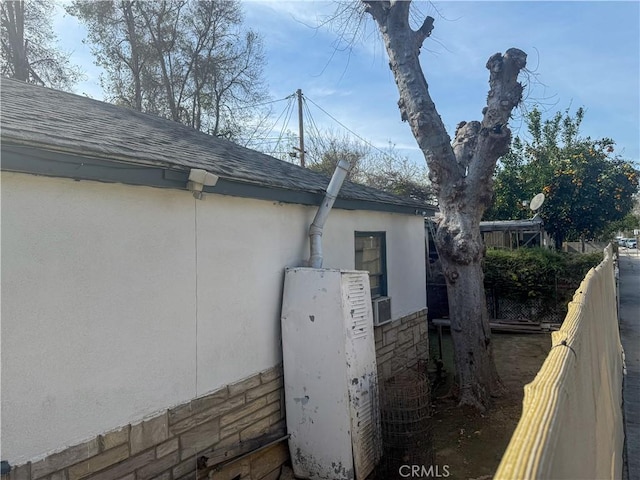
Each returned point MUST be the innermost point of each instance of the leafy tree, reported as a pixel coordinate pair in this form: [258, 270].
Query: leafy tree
[325, 150]
[393, 173]
[383, 169]
[29, 51]
[187, 60]
[626, 226]
[586, 186]
[460, 173]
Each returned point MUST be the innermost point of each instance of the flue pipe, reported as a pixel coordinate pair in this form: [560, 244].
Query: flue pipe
[315, 230]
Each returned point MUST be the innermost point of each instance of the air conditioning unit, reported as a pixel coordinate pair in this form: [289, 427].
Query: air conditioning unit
[381, 310]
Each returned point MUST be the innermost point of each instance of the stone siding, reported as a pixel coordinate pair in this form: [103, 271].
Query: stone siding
[219, 426]
[401, 344]
[167, 446]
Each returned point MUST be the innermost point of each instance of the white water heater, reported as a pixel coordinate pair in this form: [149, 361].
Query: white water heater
[330, 375]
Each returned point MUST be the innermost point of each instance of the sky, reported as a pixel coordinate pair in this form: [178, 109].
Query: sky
[580, 54]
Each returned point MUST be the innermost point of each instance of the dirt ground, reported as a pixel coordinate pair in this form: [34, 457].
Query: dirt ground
[471, 444]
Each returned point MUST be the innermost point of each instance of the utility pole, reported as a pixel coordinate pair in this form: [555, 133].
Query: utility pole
[300, 126]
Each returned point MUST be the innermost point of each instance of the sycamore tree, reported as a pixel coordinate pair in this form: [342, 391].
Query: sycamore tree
[191, 61]
[29, 50]
[461, 175]
[587, 187]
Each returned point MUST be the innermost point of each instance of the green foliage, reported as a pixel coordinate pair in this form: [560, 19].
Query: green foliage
[586, 186]
[536, 272]
[386, 170]
[29, 46]
[626, 225]
[326, 150]
[191, 61]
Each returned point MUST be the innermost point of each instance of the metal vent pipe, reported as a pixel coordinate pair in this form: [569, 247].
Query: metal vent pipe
[315, 230]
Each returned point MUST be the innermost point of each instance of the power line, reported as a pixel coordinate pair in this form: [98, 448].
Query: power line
[287, 107]
[314, 129]
[285, 124]
[264, 103]
[348, 129]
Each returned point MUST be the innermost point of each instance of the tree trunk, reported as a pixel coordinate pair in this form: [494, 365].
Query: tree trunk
[14, 24]
[136, 69]
[477, 379]
[461, 174]
[162, 47]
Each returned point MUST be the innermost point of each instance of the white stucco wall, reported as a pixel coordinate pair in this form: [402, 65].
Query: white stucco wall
[120, 301]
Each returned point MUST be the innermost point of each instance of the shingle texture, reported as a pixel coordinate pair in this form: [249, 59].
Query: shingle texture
[50, 119]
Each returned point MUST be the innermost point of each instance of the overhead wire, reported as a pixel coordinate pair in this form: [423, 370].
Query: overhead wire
[277, 120]
[285, 124]
[316, 137]
[315, 134]
[367, 142]
[255, 130]
[264, 103]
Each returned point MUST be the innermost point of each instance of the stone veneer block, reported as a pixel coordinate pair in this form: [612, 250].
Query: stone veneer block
[186, 467]
[382, 359]
[416, 333]
[126, 467]
[405, 336]
[207, 415]
[197, 405]
[386, 349]
[255, 429]
[61, 475]
[21, 472]
[149, 433]
[404, 325]
[404, 343]
[279, 426]
[227, 441]
[189, 476]
[424, 328]
[389, 326]
[167, 447]
[271, 374]
[241, 412]
[274, 396]
[250, 419]
[390, 337]
[209, 400]
[70, 456]
[114, 438]
[199, 438]
[257, 392]
[164, 476]
[384, 371]
[244, 385]
[99, 462]
[158, 466]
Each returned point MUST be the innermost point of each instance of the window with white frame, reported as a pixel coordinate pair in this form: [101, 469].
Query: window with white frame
[371, 255]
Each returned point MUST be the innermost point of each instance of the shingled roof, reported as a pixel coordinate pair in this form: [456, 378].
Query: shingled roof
[38, 118]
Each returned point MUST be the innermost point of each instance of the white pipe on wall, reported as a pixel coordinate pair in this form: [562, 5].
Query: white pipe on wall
[315, 230]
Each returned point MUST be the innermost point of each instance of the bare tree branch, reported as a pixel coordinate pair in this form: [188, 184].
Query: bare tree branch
[29, 50]
[461, 174]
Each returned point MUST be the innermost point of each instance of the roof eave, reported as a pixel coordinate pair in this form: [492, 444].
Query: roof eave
[57, 161]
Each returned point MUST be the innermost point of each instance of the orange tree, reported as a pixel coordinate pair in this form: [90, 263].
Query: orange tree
[586, 186]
